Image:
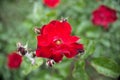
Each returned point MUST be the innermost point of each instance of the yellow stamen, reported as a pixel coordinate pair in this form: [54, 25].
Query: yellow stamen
[58, 42]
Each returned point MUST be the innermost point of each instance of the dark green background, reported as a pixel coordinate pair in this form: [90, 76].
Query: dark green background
[101, 60]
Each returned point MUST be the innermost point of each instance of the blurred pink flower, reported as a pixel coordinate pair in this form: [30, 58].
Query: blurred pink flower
[104, 16]
[51, 3]
[14, 60]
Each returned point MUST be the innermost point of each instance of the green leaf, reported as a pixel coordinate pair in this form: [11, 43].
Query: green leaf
[93, 35]
[105, 42]
[80, 72]
[89, 49]
[106, 67]
[64, 67]
[27, 67]
[1, 60]
[82, 27]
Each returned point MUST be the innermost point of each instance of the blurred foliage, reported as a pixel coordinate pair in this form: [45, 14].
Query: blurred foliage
[101, 60]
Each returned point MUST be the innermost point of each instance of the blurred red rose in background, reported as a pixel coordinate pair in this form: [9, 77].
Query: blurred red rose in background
[55, 41]
[14, 60]
[104, 16]
[51, 3]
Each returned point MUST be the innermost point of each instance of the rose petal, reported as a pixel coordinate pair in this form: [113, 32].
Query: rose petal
[57, 56]
[70, 39]
[74, 49]
[43, 52]
[57, 28]
[43, 40]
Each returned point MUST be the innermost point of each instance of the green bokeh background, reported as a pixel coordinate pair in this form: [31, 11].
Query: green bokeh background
[101, 60]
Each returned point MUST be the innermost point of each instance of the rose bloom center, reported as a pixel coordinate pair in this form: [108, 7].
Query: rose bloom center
[58, 42]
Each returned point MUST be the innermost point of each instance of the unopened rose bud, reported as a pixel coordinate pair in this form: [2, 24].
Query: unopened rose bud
[50, 62]
[63, 19]
[21, 49]
[37, 30]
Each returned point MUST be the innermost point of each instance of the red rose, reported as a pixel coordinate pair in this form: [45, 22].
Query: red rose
[51, 3]
[104, 16]
[14, 60]
[55, 41]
